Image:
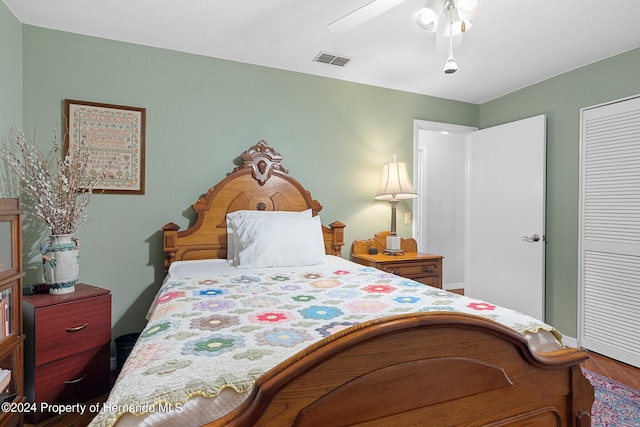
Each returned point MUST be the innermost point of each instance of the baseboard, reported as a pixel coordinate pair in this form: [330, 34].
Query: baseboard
[449, 286]
[570, 341]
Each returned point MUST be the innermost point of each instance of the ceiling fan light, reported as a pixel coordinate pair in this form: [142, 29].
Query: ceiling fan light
[466, 5]
[427, 17]
[423, 19]
[469, 9]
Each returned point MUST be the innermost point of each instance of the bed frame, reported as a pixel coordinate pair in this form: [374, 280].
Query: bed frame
[441, 369]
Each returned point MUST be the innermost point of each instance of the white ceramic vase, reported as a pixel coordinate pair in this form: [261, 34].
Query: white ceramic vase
[61, 263]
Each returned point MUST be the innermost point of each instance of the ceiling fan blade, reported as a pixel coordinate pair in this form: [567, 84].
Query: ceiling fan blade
[361, 15]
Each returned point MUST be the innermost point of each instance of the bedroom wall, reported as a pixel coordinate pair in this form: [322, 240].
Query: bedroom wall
[561, 99]
[201, 114]
[10, 72]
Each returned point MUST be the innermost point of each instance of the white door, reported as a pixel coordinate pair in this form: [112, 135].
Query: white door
[505, 215]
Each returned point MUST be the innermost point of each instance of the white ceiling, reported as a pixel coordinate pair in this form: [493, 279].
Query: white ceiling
[512, 44]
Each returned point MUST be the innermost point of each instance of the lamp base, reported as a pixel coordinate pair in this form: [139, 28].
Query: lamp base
[393, 246]
[393, 252]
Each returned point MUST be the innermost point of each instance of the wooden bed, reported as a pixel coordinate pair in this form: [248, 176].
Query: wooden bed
[436, 368]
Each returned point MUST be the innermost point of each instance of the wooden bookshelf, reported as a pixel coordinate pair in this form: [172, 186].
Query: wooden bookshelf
[11, 333]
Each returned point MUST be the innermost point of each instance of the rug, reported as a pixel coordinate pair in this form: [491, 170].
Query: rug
[615, 405]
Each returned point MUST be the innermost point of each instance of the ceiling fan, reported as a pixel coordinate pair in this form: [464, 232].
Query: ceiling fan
[449, 19]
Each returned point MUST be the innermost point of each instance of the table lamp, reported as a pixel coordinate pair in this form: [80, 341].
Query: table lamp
[395, 185]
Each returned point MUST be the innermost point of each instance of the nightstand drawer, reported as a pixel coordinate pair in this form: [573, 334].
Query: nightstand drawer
[433, 281]
[74, 379]
[423, 268]
[413, 269]
[72, 327]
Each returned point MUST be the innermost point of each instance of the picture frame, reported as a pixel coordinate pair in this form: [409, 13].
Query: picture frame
[115, 137]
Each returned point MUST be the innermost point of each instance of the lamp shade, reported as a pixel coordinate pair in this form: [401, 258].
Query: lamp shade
[395, 182]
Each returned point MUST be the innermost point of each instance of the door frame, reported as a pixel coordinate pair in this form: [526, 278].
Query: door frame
[420, 218]
[419, 160]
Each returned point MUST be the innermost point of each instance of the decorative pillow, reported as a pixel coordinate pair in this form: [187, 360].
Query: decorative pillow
[279, 241]
[233, 246]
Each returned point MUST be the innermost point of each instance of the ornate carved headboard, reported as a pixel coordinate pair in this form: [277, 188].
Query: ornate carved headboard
[259, 183]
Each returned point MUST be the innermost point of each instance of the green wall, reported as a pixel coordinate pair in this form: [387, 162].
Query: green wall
[561, 99]
[10, 72]
[202, 113]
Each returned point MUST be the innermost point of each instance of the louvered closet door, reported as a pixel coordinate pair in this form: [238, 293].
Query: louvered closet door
[609, 288]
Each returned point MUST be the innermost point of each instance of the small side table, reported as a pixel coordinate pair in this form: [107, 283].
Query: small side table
[421, 267]
[68, 347]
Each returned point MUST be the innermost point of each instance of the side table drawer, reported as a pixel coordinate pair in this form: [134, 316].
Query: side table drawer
[421, 267]
[433, 281]
[413, 269]
[65, 329]
[77, 378]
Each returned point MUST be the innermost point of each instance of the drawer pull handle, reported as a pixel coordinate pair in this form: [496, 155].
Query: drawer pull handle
[76, 381]
[429, 268]
[77, 328]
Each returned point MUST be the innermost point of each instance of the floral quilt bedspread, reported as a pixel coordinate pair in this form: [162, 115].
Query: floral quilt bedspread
[209, 333]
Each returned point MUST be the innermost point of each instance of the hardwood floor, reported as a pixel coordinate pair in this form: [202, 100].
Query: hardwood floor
[618, 371]
[70, 420]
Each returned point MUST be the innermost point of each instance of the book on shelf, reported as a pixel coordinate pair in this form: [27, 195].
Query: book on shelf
[5, 313]
[7, 316]
[5, 379]
[3, 316]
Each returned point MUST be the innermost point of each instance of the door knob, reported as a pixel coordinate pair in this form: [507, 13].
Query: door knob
[534, 238]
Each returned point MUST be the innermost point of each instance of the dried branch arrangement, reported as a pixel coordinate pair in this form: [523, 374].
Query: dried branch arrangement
[56, 188]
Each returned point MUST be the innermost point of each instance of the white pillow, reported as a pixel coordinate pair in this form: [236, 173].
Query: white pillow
[279, 241]
[233, 246]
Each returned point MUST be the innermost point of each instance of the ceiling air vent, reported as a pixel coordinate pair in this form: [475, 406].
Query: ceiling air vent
[328, 58]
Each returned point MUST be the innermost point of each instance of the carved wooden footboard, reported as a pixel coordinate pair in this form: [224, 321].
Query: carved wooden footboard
[431, 369]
